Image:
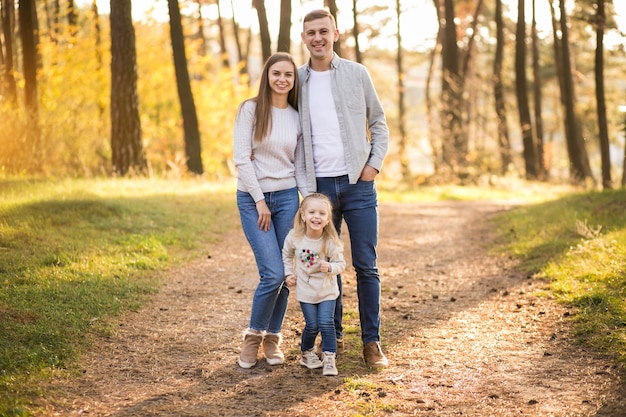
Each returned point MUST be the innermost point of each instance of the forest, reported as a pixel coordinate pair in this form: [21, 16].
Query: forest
[534, 89]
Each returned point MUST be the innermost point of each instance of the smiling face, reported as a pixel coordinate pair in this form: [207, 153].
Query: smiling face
[281, 77]
[319, 35]
[316, 215]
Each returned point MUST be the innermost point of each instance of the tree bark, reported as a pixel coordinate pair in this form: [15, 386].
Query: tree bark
[284, 33]
[580, 169]
[28, 19]
[600, 98]
[404, 160]
[358, 56]
[451, 100]
[521, 90]
[9, 86]
[126, 145]
[504, 143]
[266, 43]
[542, 168]
[185, 95]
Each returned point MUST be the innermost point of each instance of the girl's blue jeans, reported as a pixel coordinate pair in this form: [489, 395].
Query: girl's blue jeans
[269, 303]
[319, 319]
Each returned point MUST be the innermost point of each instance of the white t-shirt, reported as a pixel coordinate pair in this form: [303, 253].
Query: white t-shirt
[328, 152]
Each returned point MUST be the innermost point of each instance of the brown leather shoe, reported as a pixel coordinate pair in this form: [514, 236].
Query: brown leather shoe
[374, 356]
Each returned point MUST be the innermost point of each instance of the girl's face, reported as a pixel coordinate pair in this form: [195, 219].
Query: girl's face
[281, 77]
[315, 216]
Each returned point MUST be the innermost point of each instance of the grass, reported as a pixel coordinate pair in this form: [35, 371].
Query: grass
[76, 253]
[578, 243]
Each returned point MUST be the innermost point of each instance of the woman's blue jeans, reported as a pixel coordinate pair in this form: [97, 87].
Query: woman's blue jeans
[357, 204]
[319, 319]
[269, 303]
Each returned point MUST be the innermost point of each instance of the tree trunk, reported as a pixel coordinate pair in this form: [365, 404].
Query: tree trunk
[222, 38]
[521, 90]
[185, 95]
[126, 146]
[242, 55]
[284, 33]
[358, 56]
[579, 161]
[404, 159]
[72, 19]
[600, 99]
[451, 100]
[433, 132]
[498, 89]
[266, 43]
[332, 8]
[28, 19]
[542, 168]
[9, 86]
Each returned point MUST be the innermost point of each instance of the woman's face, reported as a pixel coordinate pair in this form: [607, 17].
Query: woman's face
[281, 76]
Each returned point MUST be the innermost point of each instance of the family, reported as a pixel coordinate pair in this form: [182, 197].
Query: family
[317, 131]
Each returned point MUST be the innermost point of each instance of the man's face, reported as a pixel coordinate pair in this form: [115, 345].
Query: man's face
[318, 36]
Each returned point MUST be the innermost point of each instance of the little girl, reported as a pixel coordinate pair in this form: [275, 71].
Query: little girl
[314, 254]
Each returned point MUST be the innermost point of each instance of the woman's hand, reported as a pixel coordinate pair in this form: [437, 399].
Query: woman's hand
[265, 217]
[325, 267]
[290, 280]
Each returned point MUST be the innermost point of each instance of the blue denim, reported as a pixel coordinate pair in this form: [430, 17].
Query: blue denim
[357, 204]
[269, 303]
[319, 319]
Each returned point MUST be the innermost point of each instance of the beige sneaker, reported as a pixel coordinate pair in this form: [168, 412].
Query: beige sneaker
[374, 356]
[271, 349]
[250, 349]
[329, 368]
[310, 360]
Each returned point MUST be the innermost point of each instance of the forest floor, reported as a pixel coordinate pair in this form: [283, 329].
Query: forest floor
[465, 332]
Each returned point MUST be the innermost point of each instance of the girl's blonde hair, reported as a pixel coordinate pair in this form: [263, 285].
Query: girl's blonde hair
[329, 233]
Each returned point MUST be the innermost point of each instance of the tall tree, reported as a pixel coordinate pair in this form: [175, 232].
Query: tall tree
[358, 56]
[521, 92]
[9, 86]
[222, 38]
[185, 95]
[126, 146]
[580, 169]
[266, 42]
[600, 99]
[504, 143]
[433, 132]
[242, 55]
[28, 27]
[542, 168]
[284, 32]
[332, 8]
[72, 18]
[453, 137]
[404, 160]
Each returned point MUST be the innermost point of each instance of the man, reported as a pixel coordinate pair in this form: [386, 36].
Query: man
[346, 139]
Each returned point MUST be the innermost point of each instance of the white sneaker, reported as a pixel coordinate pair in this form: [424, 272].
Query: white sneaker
[310, 360]
[329, 364]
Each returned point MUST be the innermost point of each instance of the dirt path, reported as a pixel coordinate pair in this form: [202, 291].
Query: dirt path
[462, 329]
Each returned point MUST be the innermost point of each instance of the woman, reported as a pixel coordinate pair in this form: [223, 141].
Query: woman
[268, 155]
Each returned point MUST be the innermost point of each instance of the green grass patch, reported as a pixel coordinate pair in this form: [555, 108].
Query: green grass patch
[578, 243]
[74, 254]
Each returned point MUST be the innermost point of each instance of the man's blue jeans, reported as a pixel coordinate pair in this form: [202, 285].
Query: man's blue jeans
[319, 319]
[357, 204]
[269, 303]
